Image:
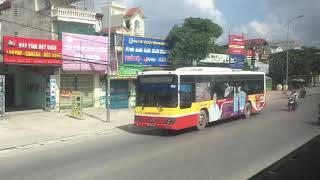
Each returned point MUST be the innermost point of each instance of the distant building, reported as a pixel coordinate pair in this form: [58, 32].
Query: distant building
[129, 21]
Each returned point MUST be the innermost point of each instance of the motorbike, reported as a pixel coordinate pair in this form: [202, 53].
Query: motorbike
[292, 104]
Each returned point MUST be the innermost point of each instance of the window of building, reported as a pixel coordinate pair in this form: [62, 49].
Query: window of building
[128, 24]
[137, 26]
[15, 10]
[15, 34]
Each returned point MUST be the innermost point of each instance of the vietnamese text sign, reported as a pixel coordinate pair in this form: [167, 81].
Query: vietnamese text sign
[145, 51]
[84, 52]
[130, 70]
[236, 51]
[236, 40]
[216, 58]
[31, 51]
[237, 61]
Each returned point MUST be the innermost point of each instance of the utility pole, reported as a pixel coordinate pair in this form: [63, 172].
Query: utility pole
[109, 62]
[288, 30]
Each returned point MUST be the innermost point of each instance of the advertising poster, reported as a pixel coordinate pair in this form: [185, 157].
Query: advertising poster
[51, 94]
[216, 58]
[31, 51]
[237, 52]
[84, 52]
[76, 110]
[145, 51]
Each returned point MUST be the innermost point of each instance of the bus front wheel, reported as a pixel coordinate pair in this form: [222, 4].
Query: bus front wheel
[202, 120]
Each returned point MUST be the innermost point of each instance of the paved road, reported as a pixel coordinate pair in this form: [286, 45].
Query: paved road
[231, 150]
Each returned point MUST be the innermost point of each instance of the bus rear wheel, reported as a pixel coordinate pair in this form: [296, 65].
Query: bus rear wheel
[202, 120]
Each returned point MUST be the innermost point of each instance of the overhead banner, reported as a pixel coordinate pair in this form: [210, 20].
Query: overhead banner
[84, 52]
[31, 51]
[145, 51]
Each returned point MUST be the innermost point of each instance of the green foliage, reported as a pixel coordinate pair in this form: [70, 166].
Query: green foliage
[194, 40]
[301, 64]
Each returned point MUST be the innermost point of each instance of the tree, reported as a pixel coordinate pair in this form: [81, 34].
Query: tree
[193, 41]
[301, 64]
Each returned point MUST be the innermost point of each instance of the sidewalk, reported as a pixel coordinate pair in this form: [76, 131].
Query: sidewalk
[40, 127]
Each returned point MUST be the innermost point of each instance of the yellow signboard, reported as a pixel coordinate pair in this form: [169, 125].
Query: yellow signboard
[76, 104]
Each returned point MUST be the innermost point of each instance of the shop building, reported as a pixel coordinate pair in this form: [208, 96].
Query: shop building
[84, 69]
[29, 66]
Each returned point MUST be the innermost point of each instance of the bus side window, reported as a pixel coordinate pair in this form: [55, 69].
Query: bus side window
[186, 95]
[219, 89]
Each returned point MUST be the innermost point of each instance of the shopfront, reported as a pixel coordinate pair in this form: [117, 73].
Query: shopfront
[29, 67]
[84, 67]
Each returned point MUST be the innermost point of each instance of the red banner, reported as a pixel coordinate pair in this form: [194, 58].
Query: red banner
[236, 40]
[236, 51]
[249, 53]
[31, 51]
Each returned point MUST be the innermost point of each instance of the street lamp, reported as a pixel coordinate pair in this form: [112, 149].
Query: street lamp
[287, 69]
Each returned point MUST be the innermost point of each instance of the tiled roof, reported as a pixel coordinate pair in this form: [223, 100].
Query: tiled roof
[132, 11]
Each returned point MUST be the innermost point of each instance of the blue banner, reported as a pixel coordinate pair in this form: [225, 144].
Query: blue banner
[236, 61]
[145, 51]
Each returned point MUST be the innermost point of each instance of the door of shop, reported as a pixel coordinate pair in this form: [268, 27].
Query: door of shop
[80, 82]
[10, 90]
[119, 95]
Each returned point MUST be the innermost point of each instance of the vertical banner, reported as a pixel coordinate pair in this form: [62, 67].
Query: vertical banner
[51, 91]
[236, 51]
[76, 110]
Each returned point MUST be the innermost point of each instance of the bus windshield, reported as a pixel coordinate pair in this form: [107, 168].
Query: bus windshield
[157, 91]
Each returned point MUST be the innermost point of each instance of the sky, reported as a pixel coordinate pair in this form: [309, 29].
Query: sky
[255, 19]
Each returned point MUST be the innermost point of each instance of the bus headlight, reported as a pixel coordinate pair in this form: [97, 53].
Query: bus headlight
[171, 121]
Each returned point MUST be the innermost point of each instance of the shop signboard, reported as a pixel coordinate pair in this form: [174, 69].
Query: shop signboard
[84, 52]
[130, 70]
[237, 61]
[236, 40]
[216, 58]
[31, 51]
[145, 51]
[76, 110]
[237, 52]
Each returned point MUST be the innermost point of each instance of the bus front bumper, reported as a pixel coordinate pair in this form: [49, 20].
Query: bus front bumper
[176, 123]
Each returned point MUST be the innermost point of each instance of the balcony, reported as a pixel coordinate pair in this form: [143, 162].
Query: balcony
[138, 32]
[74, 15]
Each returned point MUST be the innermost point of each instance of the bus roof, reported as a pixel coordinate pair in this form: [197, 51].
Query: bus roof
[201, 71]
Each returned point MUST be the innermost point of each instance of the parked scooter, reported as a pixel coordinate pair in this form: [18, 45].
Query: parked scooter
[292, 104]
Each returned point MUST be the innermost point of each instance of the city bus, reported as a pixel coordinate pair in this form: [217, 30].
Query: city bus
[197, 96]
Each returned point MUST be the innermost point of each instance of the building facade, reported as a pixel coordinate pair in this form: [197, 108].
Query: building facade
[49, 20]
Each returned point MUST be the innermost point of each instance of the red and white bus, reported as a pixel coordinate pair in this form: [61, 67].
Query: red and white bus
[196, 96]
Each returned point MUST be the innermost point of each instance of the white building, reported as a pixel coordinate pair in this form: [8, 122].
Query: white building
[130, 20]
